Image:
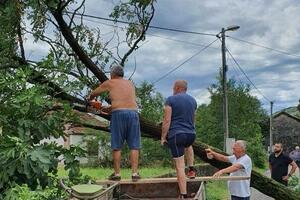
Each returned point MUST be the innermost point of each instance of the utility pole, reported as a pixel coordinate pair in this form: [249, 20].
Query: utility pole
[224, 82]
[224, 87]
[271, 132]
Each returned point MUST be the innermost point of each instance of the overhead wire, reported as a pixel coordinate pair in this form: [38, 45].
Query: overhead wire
[247, 77]
[153, 35]
[150, 26]
[265, 47]
[181, 64]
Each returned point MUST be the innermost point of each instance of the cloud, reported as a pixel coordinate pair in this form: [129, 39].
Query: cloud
[272, 24]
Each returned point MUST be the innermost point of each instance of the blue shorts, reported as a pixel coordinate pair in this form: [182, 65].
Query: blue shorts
[125, 125]
[179, 142]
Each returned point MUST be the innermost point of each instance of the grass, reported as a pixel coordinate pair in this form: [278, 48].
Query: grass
[103, 173]
[217, 190]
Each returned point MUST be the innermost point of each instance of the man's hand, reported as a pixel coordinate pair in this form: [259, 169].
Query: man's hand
[285, 178]
[218, 174]
[209, 153]
[106, 110]
[163, 141]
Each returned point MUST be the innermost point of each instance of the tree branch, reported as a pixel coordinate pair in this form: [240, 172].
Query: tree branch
[19, 31]
[134, 46]
[76, 47]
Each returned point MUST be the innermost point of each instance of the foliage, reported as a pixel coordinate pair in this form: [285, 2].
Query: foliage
[150, 102]
[24, 193]
[245, 116]
[27, 120]
[294, 183]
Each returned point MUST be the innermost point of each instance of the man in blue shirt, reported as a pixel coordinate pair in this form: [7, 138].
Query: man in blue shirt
[178, 130]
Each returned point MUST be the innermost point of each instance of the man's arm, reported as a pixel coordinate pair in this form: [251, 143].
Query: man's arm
[166, 123]
[216, 155]
[101, 88]
[270, 167]
[228, 170]
[294, 167]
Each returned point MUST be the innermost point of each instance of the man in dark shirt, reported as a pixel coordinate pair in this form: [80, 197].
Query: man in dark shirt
[279, 164]
[178, 130]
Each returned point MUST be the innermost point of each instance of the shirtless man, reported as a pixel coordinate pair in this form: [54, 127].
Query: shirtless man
[124, 120]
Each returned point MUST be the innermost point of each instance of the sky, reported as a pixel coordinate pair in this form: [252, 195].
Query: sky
[273, 24]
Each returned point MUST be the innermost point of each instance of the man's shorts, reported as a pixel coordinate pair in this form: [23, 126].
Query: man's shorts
[125, 125]
[179, 142]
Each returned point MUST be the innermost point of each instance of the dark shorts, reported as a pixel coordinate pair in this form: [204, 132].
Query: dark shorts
[239, 198]
[179, 142]
[125, 125]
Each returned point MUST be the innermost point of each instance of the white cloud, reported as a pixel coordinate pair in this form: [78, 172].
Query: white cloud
[266, 23]
[202, 96]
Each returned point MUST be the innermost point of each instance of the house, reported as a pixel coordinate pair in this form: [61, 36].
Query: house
[85, 129]
[286, 128]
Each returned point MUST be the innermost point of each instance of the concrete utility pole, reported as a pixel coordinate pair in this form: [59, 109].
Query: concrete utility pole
[224, 82]
[224, 87]
[271, 126]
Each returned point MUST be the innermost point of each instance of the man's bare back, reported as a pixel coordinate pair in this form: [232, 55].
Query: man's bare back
[122, 94]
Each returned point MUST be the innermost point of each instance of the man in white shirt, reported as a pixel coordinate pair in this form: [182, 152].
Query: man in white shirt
[241, 166]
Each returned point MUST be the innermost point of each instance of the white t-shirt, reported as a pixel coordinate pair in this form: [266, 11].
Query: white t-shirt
[240, 188]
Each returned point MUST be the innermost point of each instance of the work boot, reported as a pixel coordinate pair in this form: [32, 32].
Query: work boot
[114, 177]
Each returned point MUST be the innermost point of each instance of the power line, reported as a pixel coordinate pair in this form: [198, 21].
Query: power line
[153, 35]
[168, 73]
[265, 47]
[241, 69]
[150, 26]
[180, 41]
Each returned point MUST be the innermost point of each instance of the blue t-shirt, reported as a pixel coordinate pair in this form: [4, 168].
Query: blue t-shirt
[183, 109]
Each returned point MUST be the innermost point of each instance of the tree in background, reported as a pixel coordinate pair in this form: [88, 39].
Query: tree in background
[245, 116]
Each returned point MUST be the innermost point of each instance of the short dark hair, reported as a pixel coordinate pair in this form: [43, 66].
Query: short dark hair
[117, 71]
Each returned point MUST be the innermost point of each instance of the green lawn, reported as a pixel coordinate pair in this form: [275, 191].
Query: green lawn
[217, 190]
[103, 173]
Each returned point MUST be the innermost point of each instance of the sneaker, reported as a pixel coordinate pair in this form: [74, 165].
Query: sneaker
[191, 174]
[136, 177]
[113, 177]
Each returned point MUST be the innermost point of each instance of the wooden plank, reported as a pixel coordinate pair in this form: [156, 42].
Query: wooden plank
[173, 180]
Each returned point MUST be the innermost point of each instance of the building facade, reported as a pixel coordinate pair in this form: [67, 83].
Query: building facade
[286, 128]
